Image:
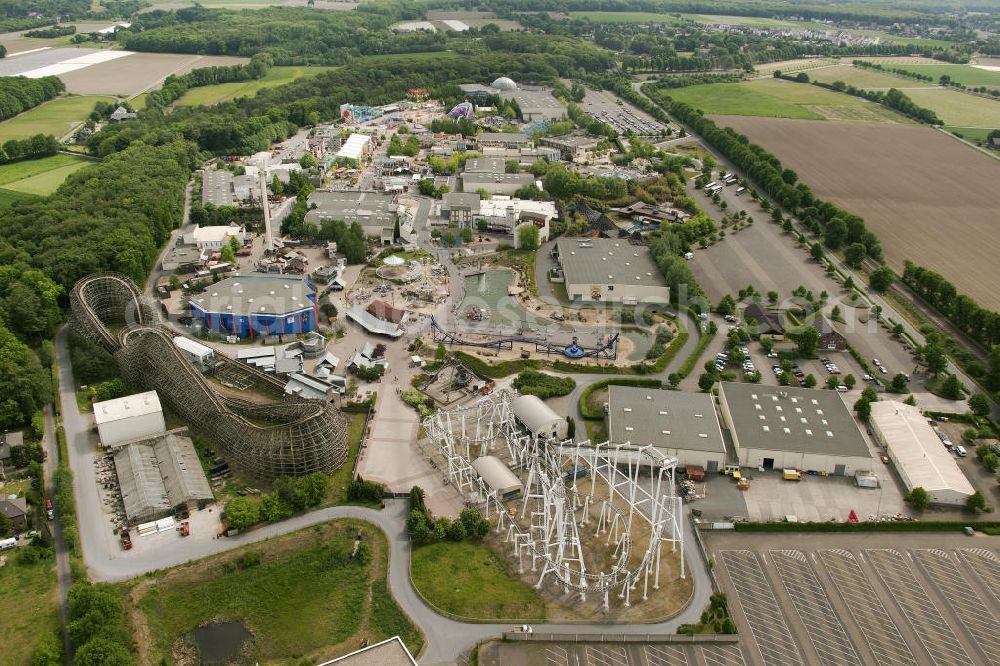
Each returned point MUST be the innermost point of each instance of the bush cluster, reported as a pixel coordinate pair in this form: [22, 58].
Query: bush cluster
[532, 382]
[290, 495]
[423, 528]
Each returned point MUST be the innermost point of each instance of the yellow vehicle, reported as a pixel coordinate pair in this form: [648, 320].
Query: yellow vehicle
[737, 475]
[730, 470]
[791, 475]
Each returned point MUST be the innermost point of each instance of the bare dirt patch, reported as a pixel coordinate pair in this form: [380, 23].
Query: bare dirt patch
[137, 73]
[928, 198]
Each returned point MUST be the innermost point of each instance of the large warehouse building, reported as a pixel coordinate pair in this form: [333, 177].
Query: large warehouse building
[916, 451]
[778, 427]
[256, 304]
[681, 425]
[538, 418]
[128, 418]
[610, 271]
[159, 475]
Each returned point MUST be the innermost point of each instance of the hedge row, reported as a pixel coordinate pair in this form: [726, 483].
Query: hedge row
[497, 370]
[692, 360]
[615, 381]
[886, 526]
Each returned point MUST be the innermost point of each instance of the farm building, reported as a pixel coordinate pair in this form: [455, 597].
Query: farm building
[763, 323]
[497, 476]
[201, 356]
[611, 271]
[538, 418]
[681, 425]
[791, 427]
[256, 304]
[159, 475]
[916, 451]
[128, 418]
[829, 338]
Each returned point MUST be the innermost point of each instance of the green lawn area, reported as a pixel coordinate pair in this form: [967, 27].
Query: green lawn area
[306, 599]
[276, 76]
[53, 117]
[964, 74]
[27, 607]
[624, 17]
[971, 133]
[756, 21]
[340, 478]
[957, 108]
[8, 197]
[470, 580]
[40, 177]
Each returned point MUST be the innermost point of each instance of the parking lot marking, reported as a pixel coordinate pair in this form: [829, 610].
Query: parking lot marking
[928, 623]
[665, 655]
[986, 564]
[813, 607]
[557, 656]
[607, 656]
[723, 655]
[972, 613]
[754, 594]
[880, 632]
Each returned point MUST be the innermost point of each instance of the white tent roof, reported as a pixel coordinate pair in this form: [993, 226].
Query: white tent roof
[920, 457]
[533, 413]
[497, 475]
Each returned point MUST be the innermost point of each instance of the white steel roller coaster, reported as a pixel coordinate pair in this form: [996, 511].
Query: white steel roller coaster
[596, 517]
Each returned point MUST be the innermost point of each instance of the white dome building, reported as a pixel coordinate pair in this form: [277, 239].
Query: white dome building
[504, 83]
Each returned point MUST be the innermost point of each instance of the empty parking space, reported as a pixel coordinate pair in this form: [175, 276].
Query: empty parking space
[986, 566]
[723, 655]
[665, 655]
[760, 607]
[877, 627]
[820, 620]
[944, 571]
[930, 626]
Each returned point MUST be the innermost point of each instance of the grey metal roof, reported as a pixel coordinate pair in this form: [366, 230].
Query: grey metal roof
[608, 261]
[485, 165]
[790, 418]
[255, 293]
[509, 138]
[217, 188]
[453, 200]
[471, 180]
[667, 419]
[369, 209]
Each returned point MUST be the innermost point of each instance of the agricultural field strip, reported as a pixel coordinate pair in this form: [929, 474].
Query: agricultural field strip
[665, 655]
[763, 614]
[972, 613]
[986, 564]
[810, 601]
[928, 623]
[606, 656]
[723, 655]
[881, 633]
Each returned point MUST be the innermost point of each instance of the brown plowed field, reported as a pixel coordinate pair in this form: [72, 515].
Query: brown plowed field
[929, 198]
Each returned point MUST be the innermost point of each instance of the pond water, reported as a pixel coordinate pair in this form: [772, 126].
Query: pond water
[641, 342]
[488, 290]
[220, 642]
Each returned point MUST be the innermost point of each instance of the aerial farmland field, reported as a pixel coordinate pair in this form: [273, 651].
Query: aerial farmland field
[55, 117]
[40, 177]
[964, 74]
[624, 17]
[928, 197]
[862, 78]
[782, 99]
[138, 72]
[957, 108]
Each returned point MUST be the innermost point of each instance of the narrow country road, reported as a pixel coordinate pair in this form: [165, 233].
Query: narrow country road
[64, 577]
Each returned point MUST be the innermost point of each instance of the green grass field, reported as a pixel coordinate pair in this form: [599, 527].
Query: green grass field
[276, 76]
[971, 133]
[306, 598]
[471, 581]
[958, 108]
[40, 177]
[861, 78]
[624, 17]
[965, 74]
[55, 117]
[780, 99]
[9, 197]
[27, 608]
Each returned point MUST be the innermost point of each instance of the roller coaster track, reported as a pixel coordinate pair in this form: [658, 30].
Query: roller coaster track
[287, 437]
[607, 350]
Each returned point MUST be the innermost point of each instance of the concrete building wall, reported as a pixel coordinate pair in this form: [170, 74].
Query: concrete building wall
[804, 461]
[710, 460]
[132, 427]
[618, 293]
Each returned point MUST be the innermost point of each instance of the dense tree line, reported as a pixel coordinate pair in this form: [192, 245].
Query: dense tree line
[40, 145]
[52, 33]
[27, 385]
[892, 98]
[97, 626]
[175, 85]
[18, 93]
[978, 323]
[685, 80]
[26, 14]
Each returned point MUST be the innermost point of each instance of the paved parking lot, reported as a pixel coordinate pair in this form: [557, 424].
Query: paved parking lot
[611, 654]
[861, 599]
[621, 115]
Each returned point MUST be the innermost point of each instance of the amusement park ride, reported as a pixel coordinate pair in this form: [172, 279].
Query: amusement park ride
[607, 349]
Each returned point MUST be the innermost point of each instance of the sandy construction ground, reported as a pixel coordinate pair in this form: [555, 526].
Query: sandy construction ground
[138, 72]
[928, 198]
